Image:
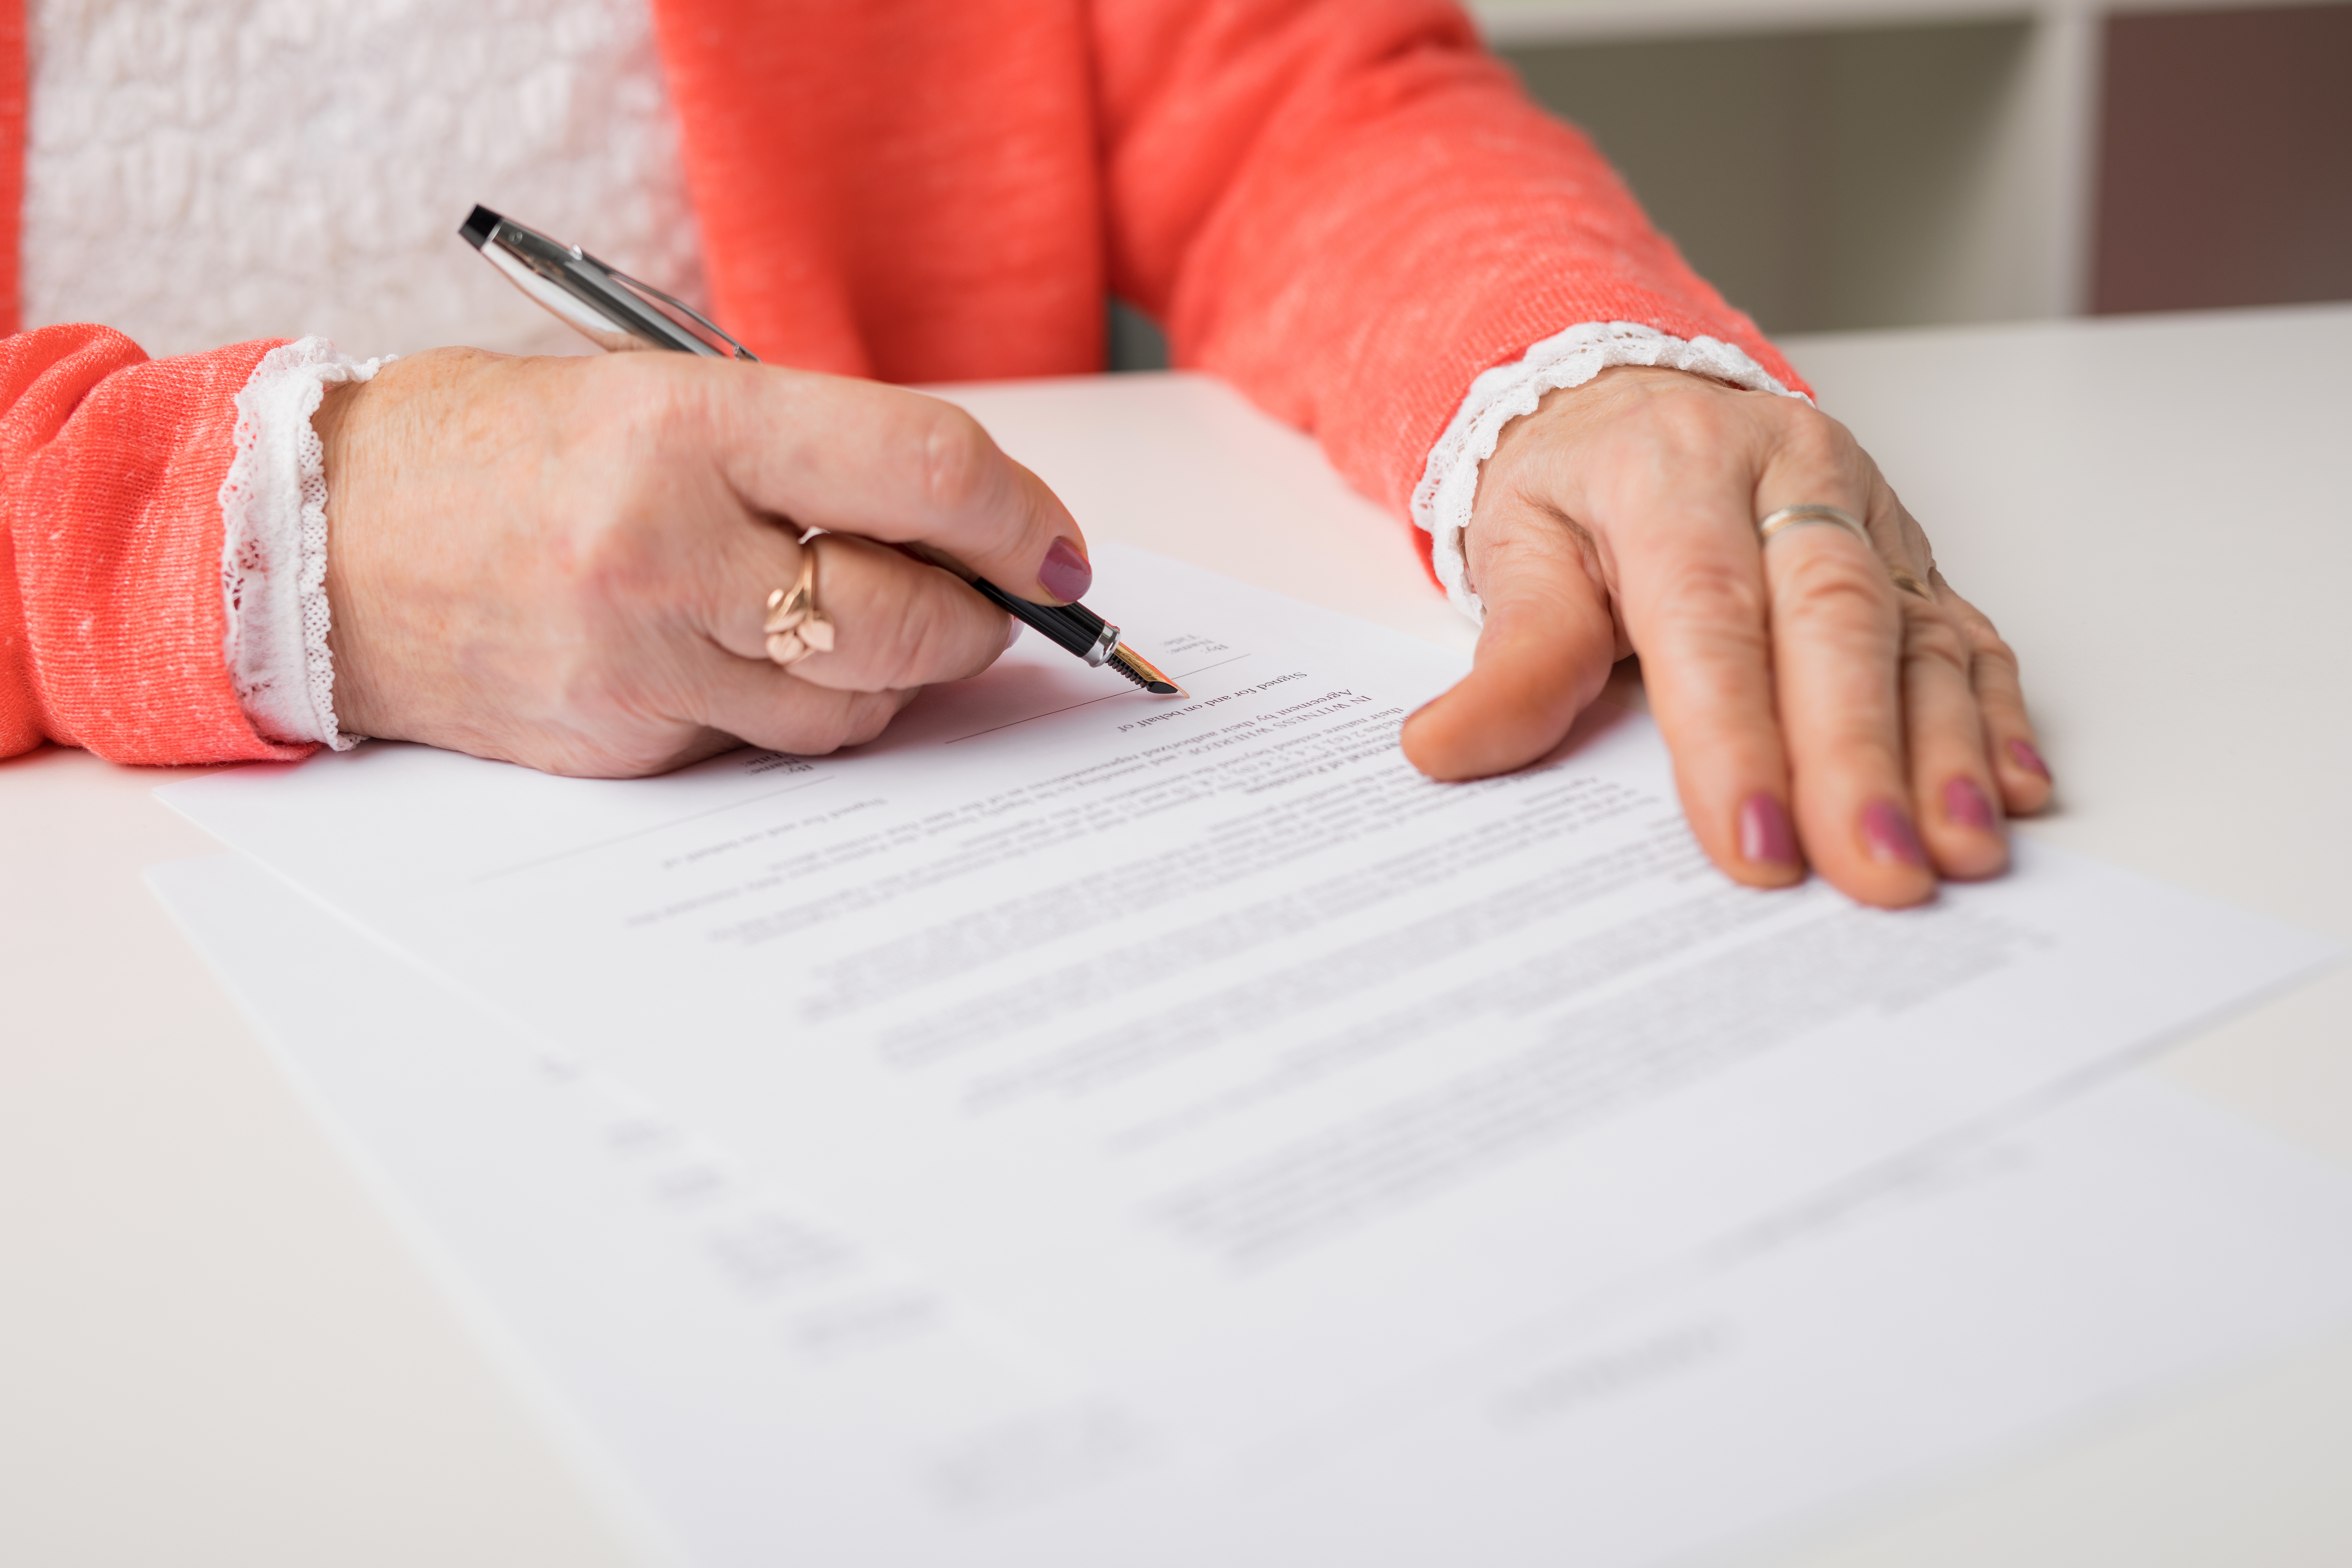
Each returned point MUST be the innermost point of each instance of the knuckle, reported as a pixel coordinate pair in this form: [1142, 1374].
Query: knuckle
[1816, 440]
[1990, 657]
[1815, 453]
[1843, 586]
[1984, 634]
[957, 459]
[839, 732]
[637, 403]
[1688, 418]
[1711, 617]
[1714, 588]
[921, 642]
[1988, 645]
[823, 732]
[911, 633]
[1984, 639]
[1934, 638]
[611, 563]
[1804, 421]
[868, 717]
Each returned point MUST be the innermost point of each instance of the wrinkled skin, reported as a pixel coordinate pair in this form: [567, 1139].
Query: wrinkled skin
[564, 563]
[1620, 517]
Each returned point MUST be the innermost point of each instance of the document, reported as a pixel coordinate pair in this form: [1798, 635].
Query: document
[753, 1380]
[1229, 1077]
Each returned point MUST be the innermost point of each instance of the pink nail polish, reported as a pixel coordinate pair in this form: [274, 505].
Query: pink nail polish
[1887, 833]
[1766, 837]
[2023, 754]
[1966, 804]
[1064, 574]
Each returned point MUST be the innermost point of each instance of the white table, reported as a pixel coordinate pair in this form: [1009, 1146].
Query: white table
[213, 1349]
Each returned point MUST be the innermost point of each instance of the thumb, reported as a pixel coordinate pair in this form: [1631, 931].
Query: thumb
[1543, 655]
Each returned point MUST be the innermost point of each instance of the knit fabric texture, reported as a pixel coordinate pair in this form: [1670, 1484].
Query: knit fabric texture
[201, 172]
[111, 614]
[1345, 207]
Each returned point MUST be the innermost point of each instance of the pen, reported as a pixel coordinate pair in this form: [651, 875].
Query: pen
[618, 313]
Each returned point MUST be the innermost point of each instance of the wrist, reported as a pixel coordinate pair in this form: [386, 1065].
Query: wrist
[341, 424]
[273, 505]
[1451, 477]
[1533, 447]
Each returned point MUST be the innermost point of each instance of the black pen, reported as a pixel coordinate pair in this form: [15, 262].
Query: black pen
[616, 313]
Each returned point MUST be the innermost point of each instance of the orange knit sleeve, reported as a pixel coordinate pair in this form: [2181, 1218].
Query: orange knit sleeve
[1350, 209]
[111, 614]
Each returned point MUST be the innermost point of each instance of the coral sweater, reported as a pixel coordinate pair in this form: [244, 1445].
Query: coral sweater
[1343, 206]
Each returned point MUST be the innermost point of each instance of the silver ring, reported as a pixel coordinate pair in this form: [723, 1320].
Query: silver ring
[1796, 516]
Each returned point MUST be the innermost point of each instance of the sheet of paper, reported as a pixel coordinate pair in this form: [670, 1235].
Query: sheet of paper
[1170, 1035]
[765, 1385]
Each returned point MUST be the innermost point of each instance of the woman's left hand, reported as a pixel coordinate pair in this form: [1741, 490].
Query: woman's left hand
[1824, 702]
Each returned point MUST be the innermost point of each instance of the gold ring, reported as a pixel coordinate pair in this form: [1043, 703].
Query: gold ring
[795, 627]
[1796, 516]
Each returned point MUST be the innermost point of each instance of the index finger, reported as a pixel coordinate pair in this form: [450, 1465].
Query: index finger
[1693, 598]
[859, 456]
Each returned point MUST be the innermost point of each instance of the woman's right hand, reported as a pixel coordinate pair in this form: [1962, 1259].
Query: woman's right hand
[565, 562]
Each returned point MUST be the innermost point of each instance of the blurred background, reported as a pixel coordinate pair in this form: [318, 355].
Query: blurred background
[1836, 164]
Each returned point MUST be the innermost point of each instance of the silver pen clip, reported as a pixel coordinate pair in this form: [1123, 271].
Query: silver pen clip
[611, 309]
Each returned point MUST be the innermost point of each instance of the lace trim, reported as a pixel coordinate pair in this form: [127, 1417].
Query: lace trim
[1442, 502]
[274, 545]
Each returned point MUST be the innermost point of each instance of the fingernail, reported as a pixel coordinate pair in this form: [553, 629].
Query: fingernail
[1966, 804]
[1012, 635]
[1888, 834]
[1066, 573]
[1766, 837]
[2022, 754]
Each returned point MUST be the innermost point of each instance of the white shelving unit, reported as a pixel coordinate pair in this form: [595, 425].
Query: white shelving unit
[1935, 158]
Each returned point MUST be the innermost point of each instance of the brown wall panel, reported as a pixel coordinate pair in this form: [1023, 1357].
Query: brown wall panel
[2225, 160]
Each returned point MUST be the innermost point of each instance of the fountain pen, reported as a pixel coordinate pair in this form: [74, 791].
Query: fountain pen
[618, 313]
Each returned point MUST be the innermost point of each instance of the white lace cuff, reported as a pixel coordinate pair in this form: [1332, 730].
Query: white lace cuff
[1449, 484]
[274, 545]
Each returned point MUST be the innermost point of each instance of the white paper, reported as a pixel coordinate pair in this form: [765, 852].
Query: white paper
[656, 1290]
[1235, 1074]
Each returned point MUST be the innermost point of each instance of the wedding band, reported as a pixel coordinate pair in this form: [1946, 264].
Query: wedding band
[795, 627]
[1796, 516]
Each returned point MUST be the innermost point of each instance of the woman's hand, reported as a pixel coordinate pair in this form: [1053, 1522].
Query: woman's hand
[565, 562]
[1815, 709]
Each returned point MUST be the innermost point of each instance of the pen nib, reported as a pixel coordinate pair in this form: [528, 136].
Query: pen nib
[1140, 671]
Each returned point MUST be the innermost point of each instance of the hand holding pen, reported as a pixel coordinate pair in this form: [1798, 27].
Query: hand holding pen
[619, 313]
[564, 563]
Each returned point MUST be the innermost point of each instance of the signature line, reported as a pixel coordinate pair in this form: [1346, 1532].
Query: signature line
[1089, 702]
[1204, 670]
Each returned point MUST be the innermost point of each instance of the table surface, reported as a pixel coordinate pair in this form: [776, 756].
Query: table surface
[213, 1349]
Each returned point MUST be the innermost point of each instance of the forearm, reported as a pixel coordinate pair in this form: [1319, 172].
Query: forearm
[1352, 211]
